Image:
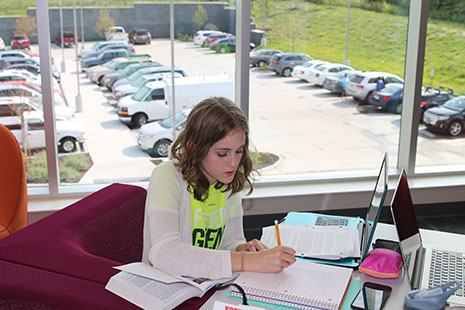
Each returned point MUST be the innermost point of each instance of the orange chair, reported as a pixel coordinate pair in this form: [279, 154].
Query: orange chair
[13, 186]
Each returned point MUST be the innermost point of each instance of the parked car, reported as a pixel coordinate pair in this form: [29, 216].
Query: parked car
[68, 132]
[20, 75]
[20, 41]
[284, 63]
[31, 66]
[24, 89]
[318, 74]
[261, 58]
[12, 107]
[447, 118]
[110, 79]
[102, 58]
[116, 33]
[68, 38]
[2, 44]
[433, 97]
[18, 54]
[228, 45]
[133, 87]
[390, 98]
[334, 83]
[156, 138]
[140, 36]
[94, 50]
[150, 70]
[201, 35]
[216, 36]
[117, 46]
[362, 85]
[96, 74]
[302, 71]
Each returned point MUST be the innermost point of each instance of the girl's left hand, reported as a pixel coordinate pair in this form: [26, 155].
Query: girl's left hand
[252, 246]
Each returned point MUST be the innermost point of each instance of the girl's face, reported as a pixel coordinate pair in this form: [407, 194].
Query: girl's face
[223, 158]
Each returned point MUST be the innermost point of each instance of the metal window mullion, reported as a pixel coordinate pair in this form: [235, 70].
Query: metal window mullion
[414, 61]
[242, 78]
[43, 32]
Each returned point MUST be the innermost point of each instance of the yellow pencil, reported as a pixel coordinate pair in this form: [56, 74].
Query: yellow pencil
[277, 231]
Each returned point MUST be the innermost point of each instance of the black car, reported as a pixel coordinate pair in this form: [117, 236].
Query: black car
[140, 36]
[432, 97]
[447, 118]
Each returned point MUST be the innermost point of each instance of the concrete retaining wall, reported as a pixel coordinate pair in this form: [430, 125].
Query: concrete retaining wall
[154, 17]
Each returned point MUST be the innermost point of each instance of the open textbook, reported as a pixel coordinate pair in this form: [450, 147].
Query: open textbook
[322, 242]
[151, 288]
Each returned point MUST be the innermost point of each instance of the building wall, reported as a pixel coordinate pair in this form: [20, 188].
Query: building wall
[154, 17]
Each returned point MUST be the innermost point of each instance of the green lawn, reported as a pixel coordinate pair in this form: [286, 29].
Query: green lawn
[377, 40]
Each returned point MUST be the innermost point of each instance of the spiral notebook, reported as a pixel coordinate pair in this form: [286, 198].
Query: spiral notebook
[304, 285]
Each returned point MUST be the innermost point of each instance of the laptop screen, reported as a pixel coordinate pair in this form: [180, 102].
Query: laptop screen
[376, 202]
[402, 210]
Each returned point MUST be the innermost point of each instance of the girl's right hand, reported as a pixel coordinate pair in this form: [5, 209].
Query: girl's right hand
[269, 260]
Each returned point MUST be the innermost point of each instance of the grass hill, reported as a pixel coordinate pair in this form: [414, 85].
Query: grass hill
[377, 41]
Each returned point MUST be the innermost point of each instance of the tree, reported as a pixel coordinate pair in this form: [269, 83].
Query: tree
[200, 17]
[26, 25]
[104, 23]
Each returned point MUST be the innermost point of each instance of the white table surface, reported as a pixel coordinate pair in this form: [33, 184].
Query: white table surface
[399, 286]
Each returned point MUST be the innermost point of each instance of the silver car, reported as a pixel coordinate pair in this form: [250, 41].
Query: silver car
[284, 63]
[361, 85]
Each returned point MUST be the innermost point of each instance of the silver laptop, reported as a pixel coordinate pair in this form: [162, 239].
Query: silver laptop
[426, 266]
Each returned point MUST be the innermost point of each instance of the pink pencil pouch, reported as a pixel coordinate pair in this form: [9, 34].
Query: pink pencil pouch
[382, 263]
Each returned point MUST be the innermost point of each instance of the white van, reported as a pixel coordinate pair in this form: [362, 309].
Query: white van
[153, 101]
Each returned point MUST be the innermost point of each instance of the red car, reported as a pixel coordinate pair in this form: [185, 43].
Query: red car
[20, 41]
[68, 37]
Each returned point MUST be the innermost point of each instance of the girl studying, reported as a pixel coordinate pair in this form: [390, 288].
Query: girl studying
[193, 213]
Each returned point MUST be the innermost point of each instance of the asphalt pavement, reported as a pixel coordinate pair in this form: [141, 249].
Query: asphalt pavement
[310, 129]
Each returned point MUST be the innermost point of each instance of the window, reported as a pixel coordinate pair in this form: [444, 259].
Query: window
[158, 94]
[339, 136]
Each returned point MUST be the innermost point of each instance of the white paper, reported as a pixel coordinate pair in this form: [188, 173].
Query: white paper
[151, 272]
[150, 294]
[326, 242]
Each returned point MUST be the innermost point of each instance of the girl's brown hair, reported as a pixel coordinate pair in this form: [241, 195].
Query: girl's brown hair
[208, 122]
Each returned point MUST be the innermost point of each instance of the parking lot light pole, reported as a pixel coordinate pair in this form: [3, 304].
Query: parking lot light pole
[82, 29]
[63, 67]
[78, 96]
[263, 41]
[346, 60]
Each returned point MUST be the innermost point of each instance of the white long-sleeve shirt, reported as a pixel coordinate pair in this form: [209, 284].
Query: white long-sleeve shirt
[168, 229]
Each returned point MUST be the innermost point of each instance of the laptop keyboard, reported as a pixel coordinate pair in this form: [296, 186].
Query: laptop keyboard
[445, 267]
[331, 221]
[407, 258]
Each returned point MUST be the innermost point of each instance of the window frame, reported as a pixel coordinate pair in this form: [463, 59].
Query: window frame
[424, 180]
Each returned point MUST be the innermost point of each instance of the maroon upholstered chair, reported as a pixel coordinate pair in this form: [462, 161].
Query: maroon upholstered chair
[67, 258]
[28, 288]
[85, 239]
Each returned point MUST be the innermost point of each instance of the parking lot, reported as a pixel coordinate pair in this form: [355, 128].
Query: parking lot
[309, 128]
